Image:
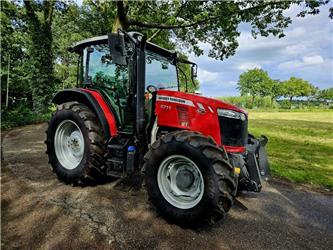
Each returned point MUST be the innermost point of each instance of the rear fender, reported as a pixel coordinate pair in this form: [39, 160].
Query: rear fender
[94, 100]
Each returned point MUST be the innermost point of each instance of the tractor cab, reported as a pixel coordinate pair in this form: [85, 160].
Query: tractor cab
[113, 75]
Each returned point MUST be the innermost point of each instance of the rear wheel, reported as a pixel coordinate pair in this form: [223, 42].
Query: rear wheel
[75, 144]
[188, 178]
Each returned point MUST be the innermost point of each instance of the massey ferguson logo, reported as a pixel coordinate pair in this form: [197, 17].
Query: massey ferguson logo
[174, 100]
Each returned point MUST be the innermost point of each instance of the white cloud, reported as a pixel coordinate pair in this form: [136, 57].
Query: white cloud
[311, 60]
[247, 42]
[294, 49]
[247, 66]
[296, 32]
[205, 76]
[234, 83]
[306, 61]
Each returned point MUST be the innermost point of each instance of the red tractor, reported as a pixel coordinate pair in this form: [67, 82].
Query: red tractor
[127, 115]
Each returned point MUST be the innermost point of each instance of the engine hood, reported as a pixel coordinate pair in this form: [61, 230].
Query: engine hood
[199, 101]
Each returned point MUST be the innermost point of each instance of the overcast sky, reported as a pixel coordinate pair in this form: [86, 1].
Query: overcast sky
[306, 51]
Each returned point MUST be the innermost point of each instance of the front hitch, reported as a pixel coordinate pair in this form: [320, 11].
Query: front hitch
[257, 162]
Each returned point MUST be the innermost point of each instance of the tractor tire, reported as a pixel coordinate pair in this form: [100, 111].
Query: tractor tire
[192, 158]
[75, 145]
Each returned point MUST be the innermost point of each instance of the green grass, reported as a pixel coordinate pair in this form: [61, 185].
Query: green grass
[300, 144]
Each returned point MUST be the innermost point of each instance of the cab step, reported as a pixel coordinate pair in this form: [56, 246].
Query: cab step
[115, 174]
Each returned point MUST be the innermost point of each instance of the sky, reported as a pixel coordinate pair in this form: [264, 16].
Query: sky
[306, 52]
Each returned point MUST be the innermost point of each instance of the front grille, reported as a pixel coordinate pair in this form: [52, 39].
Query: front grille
[233, 131]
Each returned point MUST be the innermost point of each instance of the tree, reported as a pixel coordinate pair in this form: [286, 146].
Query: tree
[68, 27]
[39, 17]
[255, 82]
[14, 47]
[325, 95]
[297, 87]
[276, 90]
[212, 22]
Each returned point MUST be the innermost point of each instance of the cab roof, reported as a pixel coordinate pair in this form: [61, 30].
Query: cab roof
[79, 46]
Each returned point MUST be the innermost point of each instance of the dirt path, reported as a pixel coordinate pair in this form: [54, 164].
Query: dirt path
[40, 212]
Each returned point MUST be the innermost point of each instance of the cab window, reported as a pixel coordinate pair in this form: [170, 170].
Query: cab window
[102, 71]
[160, 72]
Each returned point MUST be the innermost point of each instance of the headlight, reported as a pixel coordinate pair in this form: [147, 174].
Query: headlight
[231, 114]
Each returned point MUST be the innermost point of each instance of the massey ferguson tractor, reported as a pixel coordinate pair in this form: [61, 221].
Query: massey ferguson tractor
[128, 115]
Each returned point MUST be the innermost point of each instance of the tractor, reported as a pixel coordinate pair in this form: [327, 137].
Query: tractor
[127, 116]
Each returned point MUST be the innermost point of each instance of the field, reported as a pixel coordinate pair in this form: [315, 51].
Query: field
[300, 144]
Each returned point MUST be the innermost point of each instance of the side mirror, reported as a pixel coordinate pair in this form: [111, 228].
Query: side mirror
[194, 70]
[117, 48]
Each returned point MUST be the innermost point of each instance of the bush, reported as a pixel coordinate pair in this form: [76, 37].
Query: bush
[265, 103]
[21, 116]
[284, 104]
[246, 102]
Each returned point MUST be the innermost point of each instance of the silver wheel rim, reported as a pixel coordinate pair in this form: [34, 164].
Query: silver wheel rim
[180, 181]
[69, 144]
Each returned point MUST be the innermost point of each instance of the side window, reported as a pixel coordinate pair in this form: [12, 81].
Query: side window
[103, 72]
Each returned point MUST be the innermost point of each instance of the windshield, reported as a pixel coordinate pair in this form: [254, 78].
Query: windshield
[160, 72]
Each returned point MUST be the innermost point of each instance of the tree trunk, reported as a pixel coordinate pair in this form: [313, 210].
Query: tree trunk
[290, 100]
[7, 89]
[252, 101]
[121, 21]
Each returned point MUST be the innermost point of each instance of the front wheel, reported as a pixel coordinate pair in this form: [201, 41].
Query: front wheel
[75, 144]
[188, 178]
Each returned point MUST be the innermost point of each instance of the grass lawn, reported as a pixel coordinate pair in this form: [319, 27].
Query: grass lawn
[300, 146]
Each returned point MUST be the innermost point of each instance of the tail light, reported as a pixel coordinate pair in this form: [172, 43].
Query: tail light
[183, 116]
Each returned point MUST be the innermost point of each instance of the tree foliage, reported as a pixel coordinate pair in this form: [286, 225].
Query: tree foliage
[255, 82]
[39, 16]
[297, 87]
[325, 95]
[212, 22]
[14, 52]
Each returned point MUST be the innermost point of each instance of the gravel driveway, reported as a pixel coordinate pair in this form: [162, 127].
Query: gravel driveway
[40, 212]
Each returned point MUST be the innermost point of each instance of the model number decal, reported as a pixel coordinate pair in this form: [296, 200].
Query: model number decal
[165, 98]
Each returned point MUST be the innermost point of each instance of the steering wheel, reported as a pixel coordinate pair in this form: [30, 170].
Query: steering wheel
[151, 89]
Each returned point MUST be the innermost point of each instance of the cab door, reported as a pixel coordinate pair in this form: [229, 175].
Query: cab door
[110, 79]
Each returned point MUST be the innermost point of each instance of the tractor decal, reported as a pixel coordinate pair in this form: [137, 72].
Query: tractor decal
[174, 100]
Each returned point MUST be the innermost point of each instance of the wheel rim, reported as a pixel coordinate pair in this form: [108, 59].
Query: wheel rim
[180, 181]
[69, 144]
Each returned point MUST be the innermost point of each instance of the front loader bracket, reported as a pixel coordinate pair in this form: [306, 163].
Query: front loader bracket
[257, 162]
